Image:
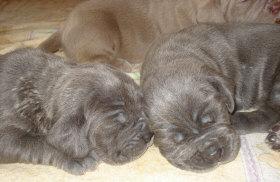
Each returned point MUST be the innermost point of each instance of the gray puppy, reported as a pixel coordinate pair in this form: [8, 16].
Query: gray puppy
[70, 116]
[196, 83]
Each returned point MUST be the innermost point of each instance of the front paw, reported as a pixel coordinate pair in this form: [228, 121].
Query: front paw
[273, 138]
[80, 166]
[90, 162]
[74, 167]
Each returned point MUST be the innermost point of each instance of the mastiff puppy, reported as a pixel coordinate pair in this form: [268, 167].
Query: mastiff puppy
[199, 84]
[118, 32]
[70, 116]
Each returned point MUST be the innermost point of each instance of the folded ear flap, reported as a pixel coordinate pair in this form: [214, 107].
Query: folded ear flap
[69, 135]
[226, 88]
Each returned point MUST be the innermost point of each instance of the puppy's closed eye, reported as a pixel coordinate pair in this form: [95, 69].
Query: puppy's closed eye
[207, 120]
[179, 137]
[121, 118]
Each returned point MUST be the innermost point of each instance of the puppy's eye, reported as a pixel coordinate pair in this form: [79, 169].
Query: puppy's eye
[179, 137]
[121, 118]
[206, 120]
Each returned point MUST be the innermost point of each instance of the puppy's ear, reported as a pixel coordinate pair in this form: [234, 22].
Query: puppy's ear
[69, 135]
[226, 88]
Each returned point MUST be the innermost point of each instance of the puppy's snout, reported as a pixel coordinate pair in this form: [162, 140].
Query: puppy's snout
[212, 151]
[220, 146]
[146, 135]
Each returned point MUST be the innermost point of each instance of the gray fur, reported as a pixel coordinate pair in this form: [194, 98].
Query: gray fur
[54, 112]
[196, 83]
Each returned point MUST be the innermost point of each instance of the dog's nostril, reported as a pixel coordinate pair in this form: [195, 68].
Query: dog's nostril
[147, 137]
[272, 138]
[212, 152]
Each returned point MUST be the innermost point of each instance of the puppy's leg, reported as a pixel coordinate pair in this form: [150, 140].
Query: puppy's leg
[256, 121]
[97, 39]
[19, 146]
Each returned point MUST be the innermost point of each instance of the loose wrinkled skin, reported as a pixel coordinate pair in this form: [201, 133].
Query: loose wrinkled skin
[198, 84]
[54, 112]
[118, 32]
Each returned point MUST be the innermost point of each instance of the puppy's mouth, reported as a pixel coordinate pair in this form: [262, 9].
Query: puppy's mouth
[217, 146]
[211, 156]
[215, 149]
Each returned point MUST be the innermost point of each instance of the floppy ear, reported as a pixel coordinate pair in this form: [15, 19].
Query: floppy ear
[69, 135]
[226, 88]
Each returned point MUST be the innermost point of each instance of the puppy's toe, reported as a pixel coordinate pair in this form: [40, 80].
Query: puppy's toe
[273, 138]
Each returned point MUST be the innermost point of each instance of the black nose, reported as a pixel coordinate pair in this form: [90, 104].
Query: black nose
[212, 151]
[147, 137]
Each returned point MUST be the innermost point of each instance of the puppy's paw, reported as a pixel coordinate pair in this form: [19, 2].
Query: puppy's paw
[90, 162]
[273, 138]
[81, 165]
[74, 167]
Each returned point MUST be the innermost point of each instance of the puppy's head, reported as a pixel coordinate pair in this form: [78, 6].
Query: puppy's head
[110, 120]
[118, 129]
[190, 119]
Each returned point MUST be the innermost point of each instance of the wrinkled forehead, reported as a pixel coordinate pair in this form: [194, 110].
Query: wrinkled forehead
[188, 112]
[183, 97]
[121, 91]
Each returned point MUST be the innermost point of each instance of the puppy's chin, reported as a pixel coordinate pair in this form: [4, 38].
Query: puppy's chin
[218, 145]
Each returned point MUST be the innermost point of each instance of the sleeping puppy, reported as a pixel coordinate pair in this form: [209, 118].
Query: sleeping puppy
[118, 32]
[54, 112]
[199, 84]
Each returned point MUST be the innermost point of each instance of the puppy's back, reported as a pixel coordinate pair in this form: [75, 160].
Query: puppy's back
[28, 73]
[215, 41]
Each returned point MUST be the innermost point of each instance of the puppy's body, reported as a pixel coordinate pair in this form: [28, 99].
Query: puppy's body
[71, 116]
[197, 80]
[118, 32]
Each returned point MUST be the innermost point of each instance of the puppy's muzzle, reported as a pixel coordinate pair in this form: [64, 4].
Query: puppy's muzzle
[138, 144]
[145, 135]
[213, 153]
[219, 144]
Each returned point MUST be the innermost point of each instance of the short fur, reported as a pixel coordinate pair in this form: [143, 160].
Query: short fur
[118, 32]
[54, 112]
[197, 82]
